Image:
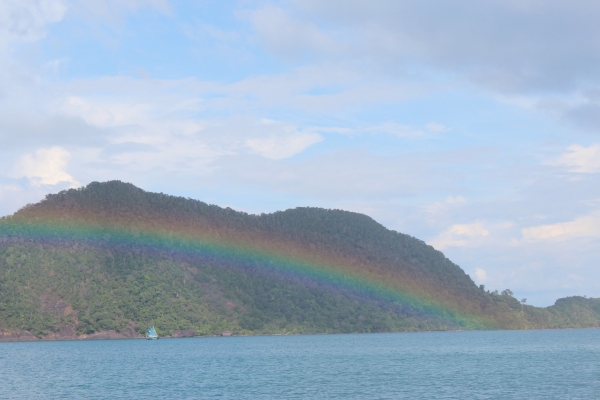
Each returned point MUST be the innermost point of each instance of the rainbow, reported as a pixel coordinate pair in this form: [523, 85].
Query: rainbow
[232, 248]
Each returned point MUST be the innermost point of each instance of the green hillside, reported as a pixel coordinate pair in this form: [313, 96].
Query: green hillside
[111, 257]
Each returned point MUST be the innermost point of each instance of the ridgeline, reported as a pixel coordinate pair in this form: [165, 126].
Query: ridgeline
[110, 259]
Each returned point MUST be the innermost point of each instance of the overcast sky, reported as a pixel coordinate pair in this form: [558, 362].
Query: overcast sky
[472, 125]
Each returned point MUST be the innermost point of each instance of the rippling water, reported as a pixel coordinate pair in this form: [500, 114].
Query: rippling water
[444, 365]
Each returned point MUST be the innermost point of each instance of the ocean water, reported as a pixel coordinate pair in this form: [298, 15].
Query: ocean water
[556, 364]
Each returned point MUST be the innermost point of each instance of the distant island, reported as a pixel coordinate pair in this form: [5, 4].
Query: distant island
[109, 259]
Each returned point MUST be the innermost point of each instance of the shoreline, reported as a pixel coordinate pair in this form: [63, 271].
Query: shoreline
[24, 336]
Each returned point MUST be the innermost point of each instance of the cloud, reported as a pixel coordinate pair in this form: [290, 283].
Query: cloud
[45, 167]
[343, 175]
[213, 32]
[182, 125]
[282, 147]
[460, 235]
[584, 109]
[455, 200]
[8, 191]
[480, 275]
[581, 227]
[149, 129]
[266, 137]
[107, 99]
[282, 32]
[503, 45]
[26, 20]
[113, 11]
[397, 129]
[581, 159]
[438, 209]
[402, 130]
[435, 127]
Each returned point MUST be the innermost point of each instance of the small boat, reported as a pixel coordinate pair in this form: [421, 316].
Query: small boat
[151, 334]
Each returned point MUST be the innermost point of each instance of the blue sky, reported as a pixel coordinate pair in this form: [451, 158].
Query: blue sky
[471, 125]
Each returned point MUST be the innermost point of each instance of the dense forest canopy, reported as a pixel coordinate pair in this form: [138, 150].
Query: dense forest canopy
[112, 257]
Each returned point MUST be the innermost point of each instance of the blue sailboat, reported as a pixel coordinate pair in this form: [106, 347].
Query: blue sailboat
[151, 334]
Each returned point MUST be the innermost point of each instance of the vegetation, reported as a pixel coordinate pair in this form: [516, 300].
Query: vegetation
[92, 280]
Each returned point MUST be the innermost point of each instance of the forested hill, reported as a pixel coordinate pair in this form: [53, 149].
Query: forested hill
[109, 259]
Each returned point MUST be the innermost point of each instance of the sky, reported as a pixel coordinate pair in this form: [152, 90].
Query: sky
[473, 126]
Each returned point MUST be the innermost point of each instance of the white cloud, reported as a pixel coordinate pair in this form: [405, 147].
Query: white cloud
[581, 159]
[397, 129]
[585, 226]
[26, 20]
[172, 122]
[460, 235]
[435, 210]
[113, 11]
[276, 148]
[79, 107]
[171, 126]
[401, 130]
[282, 32]
[435, 127]
[45, 167]
[7, 191]
[480, 275]
[340, 175]
[219, 34]
[455, 200]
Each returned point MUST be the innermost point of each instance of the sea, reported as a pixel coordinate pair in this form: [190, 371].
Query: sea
[545, 364]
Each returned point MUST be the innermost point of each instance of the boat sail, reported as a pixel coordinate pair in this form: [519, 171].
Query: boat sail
[151, 334]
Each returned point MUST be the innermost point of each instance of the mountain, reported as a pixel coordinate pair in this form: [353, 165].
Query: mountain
[109, 259]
